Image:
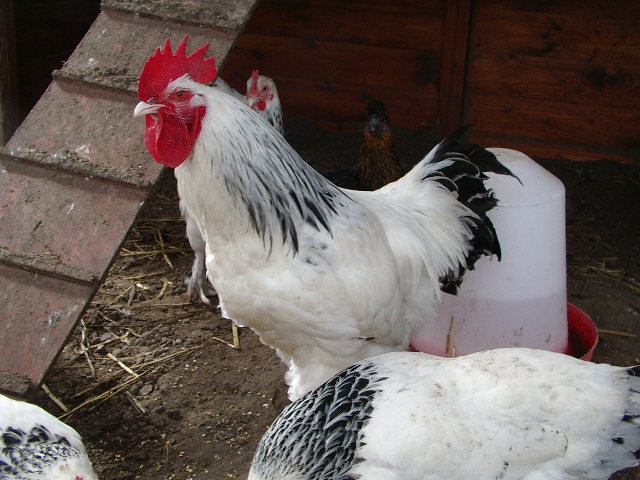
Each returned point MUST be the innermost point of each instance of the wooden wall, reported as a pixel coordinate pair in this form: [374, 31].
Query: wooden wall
[9, 106]
[331, 57]
[46, 33]
[556, 79]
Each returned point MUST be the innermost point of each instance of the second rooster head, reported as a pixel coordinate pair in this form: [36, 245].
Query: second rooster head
[261, 92]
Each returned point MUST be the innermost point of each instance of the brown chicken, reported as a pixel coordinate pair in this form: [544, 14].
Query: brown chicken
[378, 164]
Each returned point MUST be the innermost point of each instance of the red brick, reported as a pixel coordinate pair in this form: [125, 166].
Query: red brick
[38, 313]
[89, 130]
[75, 175]
[66, 224]
[117, 45]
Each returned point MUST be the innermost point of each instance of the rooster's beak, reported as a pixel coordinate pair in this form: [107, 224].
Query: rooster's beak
[144, 108]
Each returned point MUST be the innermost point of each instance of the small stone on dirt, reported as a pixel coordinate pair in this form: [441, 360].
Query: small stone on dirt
[146, 390]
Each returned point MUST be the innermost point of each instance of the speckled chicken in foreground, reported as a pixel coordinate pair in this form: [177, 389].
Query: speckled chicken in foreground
[326, 276]
[35, 445]
[505, 414]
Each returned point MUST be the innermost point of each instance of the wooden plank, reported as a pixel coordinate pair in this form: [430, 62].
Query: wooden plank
[110, 147]
[565, 81]
[61, 221]
[412, 25]
[559, 77]
[408, 108]
[9, 110]
[551, 35]
[453, 66]
[557, 151]
[330, 57]
[331, 81]
[586, 9]
[68, 225]
[404, 3]
[546, 121]
[215, 15]
[337, 63]
[94, 58]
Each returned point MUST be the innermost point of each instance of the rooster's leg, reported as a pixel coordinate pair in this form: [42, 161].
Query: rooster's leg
[197, 284]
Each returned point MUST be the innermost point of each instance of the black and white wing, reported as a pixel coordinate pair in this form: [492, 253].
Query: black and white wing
[36, 445]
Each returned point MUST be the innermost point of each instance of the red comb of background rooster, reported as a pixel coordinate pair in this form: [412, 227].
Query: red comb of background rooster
[254, 82]
[164, 66]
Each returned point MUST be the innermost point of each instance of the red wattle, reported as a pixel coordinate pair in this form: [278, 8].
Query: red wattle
[169, 138]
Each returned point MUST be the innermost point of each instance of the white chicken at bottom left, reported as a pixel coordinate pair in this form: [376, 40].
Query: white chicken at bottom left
[35, 445]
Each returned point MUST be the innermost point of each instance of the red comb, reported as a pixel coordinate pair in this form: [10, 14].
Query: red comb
[254, 82]
[164, 66]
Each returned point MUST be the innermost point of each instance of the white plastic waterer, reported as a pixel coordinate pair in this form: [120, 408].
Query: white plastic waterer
[520, 300]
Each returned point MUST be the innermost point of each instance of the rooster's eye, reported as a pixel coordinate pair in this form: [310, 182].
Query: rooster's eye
[180, 94]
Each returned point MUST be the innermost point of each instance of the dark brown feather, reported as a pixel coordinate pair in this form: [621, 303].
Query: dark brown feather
[378, 163]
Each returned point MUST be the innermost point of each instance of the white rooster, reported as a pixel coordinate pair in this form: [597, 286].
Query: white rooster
[34, 445]
[325, 276]
[262, 96]
[509, 414]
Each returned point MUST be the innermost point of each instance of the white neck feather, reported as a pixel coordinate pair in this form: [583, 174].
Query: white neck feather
[251, 169]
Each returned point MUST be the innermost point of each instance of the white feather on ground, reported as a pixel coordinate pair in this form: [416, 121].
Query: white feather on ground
[505, 414]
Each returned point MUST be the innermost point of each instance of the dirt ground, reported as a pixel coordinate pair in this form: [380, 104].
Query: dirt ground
[156, 388]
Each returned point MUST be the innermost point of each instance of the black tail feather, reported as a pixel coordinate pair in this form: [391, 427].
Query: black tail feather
[634, 371]
[479, 156]
[485, 160]
[465, 175]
